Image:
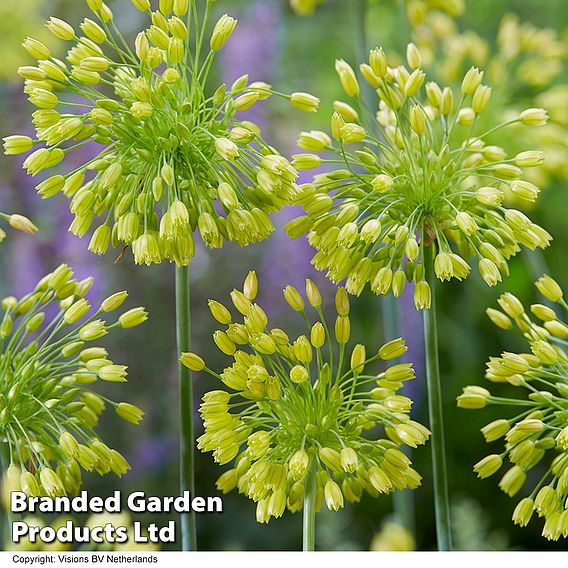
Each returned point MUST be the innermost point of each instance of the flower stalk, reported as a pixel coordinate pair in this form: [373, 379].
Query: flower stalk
[435, 409]
[309, 525]
[187, 457]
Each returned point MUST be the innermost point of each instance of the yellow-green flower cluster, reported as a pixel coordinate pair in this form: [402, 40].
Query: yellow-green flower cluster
[48, 363]
[523, 68]
[539, 430]
[173, 157]
[419, 173]
[417, 11]
[420, 12]
[309, 406]
[18, 222]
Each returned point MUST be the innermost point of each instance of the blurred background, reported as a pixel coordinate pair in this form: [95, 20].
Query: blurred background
[274, 44]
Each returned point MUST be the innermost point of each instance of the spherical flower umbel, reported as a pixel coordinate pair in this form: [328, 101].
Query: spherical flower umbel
[421, 175]
[173, 156]
[49, 361]
[537, 431]
[310, 405]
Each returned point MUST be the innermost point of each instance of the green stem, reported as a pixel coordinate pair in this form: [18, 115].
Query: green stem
[6, 524]
[441, 496]
[309, 529]
[187, 463]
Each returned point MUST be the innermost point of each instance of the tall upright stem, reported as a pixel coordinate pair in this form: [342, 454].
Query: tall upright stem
[6, 524]
[309, 531]
[441, 496]
[187, 457]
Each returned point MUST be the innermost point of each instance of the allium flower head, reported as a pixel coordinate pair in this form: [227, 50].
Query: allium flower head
[48, 365]
[417, 174]
[305, 405]
[536, 430]
[173, 158]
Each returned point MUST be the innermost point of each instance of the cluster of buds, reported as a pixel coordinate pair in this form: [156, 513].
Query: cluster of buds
[174, 157]
[539, 432]
[524, 66]
[525, 56]
[48, 364]
[422, 175]
[305, 408]
[18, 222]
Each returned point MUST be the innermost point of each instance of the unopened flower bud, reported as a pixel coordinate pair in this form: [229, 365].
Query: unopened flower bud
[534, 117]
[511, 305]
[304, 102]
[342, 329]
[129, 412]
[313, 294]
[358, 358]
[481, 99]
[488, 466]
[294, 299]
[417, 118]
[192, 361]
[76, 312]
[378, 62]
[317, 336]
[60, 29]
[473, 398]
[393, 349]
[422, 295]
[523, 512]
[17, 144]
[222, 31]
[114, 302]
[22, 223]
[133, 317]
[471, 81]
[333, 496]
[549, 288]
[299, 374]
[347, 77]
